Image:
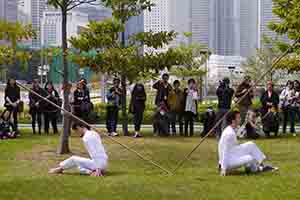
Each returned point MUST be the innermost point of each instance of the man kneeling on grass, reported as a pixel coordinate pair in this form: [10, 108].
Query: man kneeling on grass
[233, 155]
[96, 165]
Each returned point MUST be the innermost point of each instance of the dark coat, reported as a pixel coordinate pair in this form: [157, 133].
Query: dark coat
[162, 92]
[138, 99]
[13, 93]
[33, 99]
[274, 99]
[224, 95]
[247, 100]
[49, 108]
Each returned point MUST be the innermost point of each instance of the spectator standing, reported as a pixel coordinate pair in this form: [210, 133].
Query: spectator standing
[176, 103]
[191, 99]
[35, 105]
[113, 105]
[224, 94]
[286, 103]
[51, 111]
[137, 107]
[12, 99]
[244, 95]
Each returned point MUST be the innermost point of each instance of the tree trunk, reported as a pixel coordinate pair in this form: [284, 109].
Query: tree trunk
[64, 143]
[124, 97]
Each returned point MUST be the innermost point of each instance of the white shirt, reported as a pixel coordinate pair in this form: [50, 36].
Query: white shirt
[94, 146]
[191, 99]
[227, 142]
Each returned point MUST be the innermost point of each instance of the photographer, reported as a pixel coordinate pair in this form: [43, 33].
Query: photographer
[113, 106]
[224, 94]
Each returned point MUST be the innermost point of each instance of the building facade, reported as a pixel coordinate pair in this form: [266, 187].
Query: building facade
[51, 26]
[8, 10]
[157, 20]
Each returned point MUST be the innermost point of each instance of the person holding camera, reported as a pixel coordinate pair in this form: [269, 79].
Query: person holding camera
[224, 94]
[244, 95]
[113, 105]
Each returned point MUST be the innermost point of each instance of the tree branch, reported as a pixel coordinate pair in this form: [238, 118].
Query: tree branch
[75, 3]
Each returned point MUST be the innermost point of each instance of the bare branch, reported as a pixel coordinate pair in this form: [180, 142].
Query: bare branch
[75, 3]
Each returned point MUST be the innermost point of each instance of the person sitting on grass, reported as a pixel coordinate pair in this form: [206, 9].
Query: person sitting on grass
[253, 124]
[271, 121]
[233, 155]
[93, 166]
[161, 120]
[6, 126]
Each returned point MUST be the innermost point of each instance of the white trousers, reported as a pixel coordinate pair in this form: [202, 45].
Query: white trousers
[247, 154]
[85, 165]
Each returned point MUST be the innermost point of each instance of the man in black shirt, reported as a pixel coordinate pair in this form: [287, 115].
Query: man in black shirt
[224, 94]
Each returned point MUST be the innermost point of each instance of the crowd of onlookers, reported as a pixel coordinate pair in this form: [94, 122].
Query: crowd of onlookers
[176, 106]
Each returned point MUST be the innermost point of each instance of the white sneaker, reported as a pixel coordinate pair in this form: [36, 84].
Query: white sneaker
[137, 135]
[113, 134]
[294, 135]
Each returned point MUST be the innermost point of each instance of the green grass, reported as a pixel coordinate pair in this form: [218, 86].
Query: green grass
[24, 163]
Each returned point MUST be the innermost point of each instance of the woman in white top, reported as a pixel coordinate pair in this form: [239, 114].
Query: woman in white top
[287, 98]
[192, 97]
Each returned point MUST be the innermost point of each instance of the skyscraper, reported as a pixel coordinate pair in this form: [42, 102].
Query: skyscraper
[8, 10]
[37, 9]
[158, 19]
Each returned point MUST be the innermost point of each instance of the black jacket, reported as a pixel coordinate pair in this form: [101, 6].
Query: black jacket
[247, 100]
[162, 92]
[274, 99]
[33, 98]
[48, 108]
[81, 96]
[224, 95]
[13, 93]
[138, 99]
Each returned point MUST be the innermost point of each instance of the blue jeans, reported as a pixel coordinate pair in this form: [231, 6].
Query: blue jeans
[112, 118]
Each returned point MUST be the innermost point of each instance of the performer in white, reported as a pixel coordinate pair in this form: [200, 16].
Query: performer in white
[233, 155]
[96, 165]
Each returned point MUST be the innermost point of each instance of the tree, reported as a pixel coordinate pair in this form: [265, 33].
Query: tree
[66, 6]
[289, 24]
[114, 57]
[261, 62]
[129, 62]
[194, 57]
[13, 33]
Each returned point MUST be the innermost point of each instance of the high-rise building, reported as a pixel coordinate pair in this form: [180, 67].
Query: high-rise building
[8, 10]
[37, 9]
[158, 19]
[95, 13]
[51, 26]
[24, 11]
[180, 20]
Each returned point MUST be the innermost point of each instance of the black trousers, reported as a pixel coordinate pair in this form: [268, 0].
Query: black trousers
[112, 118]
[36, 117]
[289, 115]
[50, 117]
[176, 117]
[189, 123]
[138, 120]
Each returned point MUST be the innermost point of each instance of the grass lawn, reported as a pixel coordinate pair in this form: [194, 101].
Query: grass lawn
[24, 164]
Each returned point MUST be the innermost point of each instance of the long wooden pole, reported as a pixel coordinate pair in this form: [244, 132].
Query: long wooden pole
[277, 60]
[95, 129]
